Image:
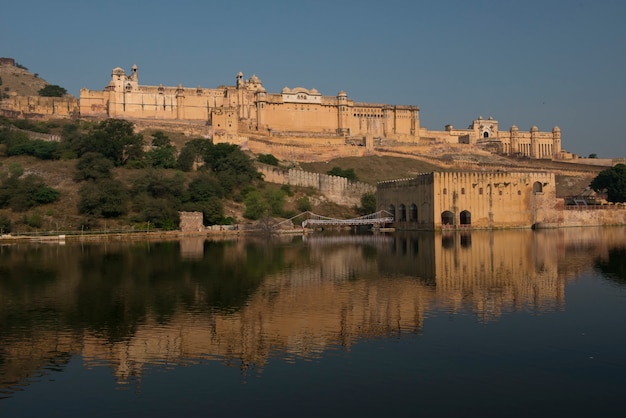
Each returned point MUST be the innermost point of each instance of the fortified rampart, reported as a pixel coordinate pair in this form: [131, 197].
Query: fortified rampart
[302, 115]
[336, 189]
[32, 107]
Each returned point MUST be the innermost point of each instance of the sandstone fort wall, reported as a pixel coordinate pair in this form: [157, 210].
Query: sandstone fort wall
[336, 189]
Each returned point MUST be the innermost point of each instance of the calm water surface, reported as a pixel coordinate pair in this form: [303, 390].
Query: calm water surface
[489, 324]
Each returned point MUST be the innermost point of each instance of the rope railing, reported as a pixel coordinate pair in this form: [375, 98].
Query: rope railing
[380, 217]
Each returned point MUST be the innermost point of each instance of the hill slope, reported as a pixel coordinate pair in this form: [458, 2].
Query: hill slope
[19, 81]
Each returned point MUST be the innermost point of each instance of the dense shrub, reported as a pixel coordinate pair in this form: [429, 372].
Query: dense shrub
[21, 194]
[93, 166]
[106, 198]
[52, 90]
[268, 159]
[347, 173]
[368, 203]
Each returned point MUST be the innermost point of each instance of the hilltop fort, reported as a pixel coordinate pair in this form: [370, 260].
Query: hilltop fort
[294, 116]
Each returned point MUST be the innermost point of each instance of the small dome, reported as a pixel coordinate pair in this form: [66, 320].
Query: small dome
[342, 94]
[556, 129]
[254, 79]
[239, 74]
[261, 89]
[514, 128]
[118, 71]
[314, 91]
[286, 90]
[134, 67]
[534, 129]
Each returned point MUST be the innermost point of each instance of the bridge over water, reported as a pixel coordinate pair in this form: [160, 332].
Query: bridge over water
[313, 220]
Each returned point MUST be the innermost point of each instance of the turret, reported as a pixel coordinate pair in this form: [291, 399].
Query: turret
[342, 113]
[514, 140]
[556, 140]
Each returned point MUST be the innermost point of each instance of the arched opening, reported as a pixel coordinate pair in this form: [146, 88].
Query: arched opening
[466, 217]
[392, 209]
[402, 213]
[447, 218]
[413, 213]
[537, 187]
[485, 134]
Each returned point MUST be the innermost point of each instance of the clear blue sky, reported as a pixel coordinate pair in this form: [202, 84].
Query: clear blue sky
[531, 62]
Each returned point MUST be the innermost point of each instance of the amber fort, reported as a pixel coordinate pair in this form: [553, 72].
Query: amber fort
[303, 115]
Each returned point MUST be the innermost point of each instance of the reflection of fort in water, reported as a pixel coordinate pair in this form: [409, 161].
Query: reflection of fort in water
[336, 291]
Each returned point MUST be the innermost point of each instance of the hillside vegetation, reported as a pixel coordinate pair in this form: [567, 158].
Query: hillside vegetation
[104, 175]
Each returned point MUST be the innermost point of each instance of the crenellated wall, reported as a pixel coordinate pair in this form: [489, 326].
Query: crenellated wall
[336, 189]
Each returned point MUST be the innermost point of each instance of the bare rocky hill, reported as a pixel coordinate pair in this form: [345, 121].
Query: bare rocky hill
[19, 81]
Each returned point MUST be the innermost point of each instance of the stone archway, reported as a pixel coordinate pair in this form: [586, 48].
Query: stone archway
[466, 217]
[413, 213]
[447, 218]
[402, 213]
[392, 210]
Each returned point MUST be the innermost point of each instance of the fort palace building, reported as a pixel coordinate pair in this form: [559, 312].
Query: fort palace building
[246, 108]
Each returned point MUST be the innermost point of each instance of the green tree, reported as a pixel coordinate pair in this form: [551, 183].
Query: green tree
[115, 139]
[93, 166]
[204, 187]
[613, 181]
[156, 184]
[52, 90]
[256, 206]
[160, 212]
[593, 155]
[268, 159]
[368, 203]
[347, 173]
[21, 194]
[163, 153]
[193, 150]
[106, 198]
[5, 224]
[303, 204]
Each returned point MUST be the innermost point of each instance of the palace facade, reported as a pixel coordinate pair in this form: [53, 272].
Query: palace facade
[247, 108]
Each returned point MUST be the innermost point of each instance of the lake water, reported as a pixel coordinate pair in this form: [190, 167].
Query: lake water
[483, 324]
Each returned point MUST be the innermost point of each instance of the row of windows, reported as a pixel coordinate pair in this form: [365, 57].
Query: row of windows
[480, 191]
[537, 188]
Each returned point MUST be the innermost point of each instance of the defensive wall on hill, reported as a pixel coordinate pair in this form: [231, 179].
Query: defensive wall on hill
[336, 189]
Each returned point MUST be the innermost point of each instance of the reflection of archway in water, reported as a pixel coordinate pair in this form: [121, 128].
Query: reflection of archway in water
[537, 187]
[447, 218]
[466, 240]
[466, 217]
[392, 209]
[413, 213]
[447, 240]
[402, 213]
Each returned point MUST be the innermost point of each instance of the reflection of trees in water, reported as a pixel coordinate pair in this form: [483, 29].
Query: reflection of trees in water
[111, 288]
[613, 267]
[134, 303]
